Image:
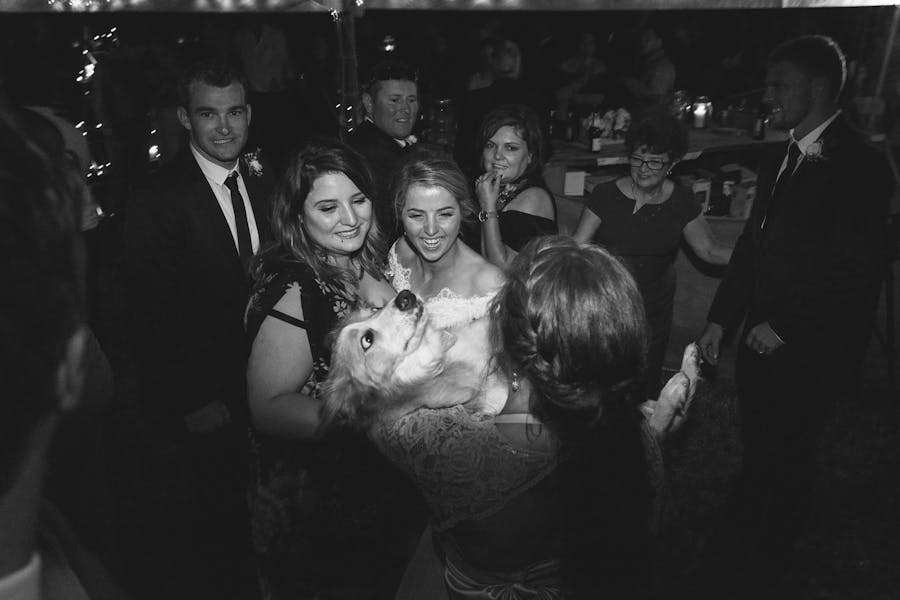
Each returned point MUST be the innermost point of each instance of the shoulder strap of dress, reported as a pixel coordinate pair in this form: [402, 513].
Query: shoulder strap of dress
[528, 418]
[286, 318]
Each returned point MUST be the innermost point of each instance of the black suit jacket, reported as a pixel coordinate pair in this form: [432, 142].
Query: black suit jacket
[384, 155]
[811, 266]
[186, 290]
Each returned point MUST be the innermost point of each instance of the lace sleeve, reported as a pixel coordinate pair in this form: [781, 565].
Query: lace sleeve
[462, 466]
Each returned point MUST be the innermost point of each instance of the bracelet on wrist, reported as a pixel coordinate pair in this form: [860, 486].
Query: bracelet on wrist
[485, 215]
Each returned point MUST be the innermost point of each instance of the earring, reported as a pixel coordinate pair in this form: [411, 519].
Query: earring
[515, 381]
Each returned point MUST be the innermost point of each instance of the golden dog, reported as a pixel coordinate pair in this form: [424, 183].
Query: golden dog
[388, 363]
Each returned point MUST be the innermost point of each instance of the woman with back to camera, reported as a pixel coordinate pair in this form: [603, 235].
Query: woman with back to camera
[317, 505]
[642, 217]
[515, 203]
[551, 498]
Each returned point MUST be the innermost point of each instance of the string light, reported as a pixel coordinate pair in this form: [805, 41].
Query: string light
[202, 5]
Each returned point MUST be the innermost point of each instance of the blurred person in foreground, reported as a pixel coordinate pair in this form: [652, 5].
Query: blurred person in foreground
[804, 279]
[43, 348]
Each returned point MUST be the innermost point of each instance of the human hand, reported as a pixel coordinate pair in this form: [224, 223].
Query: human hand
[669, 413]
[709, 343]
[212, 417]
[487, 189]
[762, 339]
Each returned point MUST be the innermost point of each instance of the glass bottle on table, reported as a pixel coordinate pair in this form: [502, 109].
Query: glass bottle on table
[595, 141]
[759, 124]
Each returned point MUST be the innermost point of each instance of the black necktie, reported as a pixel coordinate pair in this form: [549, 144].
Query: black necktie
[792, 157]
[240, 217]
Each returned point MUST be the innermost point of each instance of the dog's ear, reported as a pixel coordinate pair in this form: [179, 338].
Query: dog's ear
[346, 402]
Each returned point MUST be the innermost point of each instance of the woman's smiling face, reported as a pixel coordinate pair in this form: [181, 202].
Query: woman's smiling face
[431, 218]
[645, 177]
[336, 215]
[507, 153]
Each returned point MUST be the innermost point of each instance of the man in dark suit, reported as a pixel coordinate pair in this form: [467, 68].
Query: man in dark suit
[190, 235]
[391, 100]
[805, 278]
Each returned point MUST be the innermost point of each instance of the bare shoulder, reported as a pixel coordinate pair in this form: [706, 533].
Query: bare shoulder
[404, 252]
[487, 278]
[534, 201]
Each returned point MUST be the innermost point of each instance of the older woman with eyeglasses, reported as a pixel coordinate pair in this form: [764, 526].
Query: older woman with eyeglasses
[642, 217]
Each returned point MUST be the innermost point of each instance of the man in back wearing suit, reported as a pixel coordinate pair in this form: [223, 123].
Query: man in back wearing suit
[805, 278]
[190, 235]
[391, 100]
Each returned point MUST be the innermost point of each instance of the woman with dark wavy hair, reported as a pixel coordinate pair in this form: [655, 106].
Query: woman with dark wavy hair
[555, 496]
[316, 504]
[515, 203]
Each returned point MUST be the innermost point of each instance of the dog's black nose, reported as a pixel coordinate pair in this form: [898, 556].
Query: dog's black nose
[405, 300]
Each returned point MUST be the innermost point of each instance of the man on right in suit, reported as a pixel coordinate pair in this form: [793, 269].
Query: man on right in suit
[804, 278]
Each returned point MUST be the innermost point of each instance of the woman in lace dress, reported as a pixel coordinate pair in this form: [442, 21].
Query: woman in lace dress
[516, 205]
[552, 498]
[317, 505]
[431, 201]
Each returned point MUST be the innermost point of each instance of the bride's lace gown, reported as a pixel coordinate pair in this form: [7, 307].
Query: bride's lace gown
[446, 309]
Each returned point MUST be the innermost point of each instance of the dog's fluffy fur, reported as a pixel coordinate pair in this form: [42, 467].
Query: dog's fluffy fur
[388, 363]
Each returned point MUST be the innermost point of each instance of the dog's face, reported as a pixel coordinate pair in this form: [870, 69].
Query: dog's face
[382, 355]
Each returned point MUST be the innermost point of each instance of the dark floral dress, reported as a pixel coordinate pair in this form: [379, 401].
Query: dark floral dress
[317, 508]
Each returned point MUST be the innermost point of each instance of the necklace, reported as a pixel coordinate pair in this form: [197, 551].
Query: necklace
[651, 199]
[509, 191]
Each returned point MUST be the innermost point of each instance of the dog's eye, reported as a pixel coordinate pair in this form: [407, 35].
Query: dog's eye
[367, 339]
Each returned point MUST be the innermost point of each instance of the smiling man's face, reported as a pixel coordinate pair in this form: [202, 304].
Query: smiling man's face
[218, 119]
[789, 95]
[394, 107]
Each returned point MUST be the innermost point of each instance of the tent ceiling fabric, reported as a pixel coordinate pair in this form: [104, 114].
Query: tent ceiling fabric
[329, 5]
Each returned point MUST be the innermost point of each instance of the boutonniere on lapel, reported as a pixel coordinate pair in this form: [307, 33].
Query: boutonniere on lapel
[253, 163]
[815, 152]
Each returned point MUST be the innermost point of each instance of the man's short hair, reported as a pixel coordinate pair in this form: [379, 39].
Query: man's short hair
[214, 72]
[816, 55]
[42, 274]
[388, 70]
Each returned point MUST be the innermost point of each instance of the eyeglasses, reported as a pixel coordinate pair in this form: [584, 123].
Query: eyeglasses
[654, 164]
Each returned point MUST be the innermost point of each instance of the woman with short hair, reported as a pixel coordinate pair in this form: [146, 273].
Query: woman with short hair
[642, 217]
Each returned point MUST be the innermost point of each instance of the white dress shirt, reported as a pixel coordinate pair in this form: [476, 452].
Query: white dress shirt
[216, 176]
[806, 141]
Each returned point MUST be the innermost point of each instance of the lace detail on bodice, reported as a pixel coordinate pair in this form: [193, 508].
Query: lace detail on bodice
[446, 309]
[463, 466]
[398, 274]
